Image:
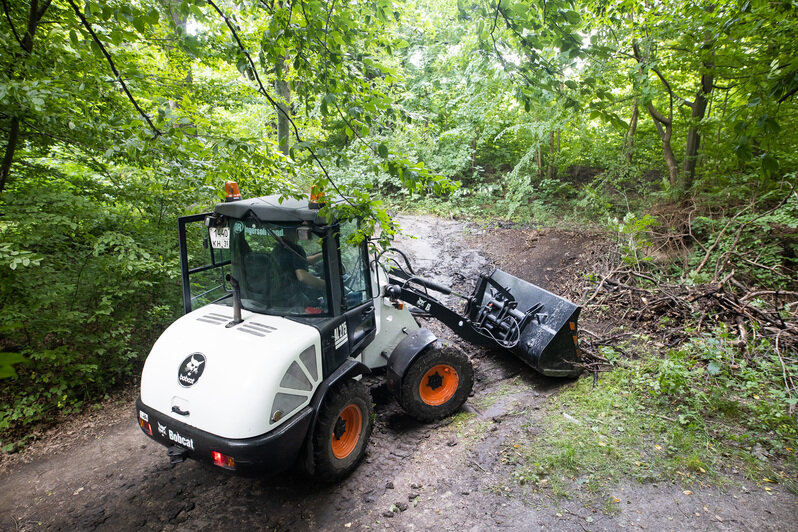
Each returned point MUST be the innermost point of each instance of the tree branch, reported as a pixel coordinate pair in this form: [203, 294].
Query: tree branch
[34, 16]
[547, 66]
[657, 116]
[11, 23]
[97, 41]
[787, 96]
[664, 81]
[271, 100]
[499, 54]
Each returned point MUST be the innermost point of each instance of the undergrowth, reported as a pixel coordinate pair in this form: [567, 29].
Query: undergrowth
[698, 415]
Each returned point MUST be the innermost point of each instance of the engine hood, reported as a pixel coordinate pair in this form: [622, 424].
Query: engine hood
[224, 380]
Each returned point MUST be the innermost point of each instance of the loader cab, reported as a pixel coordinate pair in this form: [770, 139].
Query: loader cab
[288, 262]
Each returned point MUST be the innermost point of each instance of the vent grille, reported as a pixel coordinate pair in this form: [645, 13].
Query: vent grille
[255, 328]
[214, 318]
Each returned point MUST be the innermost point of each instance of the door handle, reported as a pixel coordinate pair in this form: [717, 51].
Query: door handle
[367, 311]
[177, 410]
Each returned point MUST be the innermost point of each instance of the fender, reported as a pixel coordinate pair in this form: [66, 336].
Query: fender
[404, 355]
[350, 368]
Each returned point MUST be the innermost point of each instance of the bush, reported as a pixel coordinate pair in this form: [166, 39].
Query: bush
[86, 285]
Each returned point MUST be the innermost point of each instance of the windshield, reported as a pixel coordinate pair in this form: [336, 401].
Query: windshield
[280, 268]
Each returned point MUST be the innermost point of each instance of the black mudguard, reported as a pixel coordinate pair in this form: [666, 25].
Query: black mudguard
[403, 356]
[349, 369]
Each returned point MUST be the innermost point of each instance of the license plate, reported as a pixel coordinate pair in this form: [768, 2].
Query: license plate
[220, 237]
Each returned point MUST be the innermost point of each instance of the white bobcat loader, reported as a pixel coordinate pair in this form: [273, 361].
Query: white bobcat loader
[282, 317]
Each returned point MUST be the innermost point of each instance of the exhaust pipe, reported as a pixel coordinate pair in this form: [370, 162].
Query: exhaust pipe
[236, 301]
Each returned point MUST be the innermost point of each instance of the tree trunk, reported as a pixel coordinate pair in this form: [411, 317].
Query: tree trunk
[8, 158]
[663, 123]
[283, 103]
[180, 23]
[665, 130]
[693, 135]
[723, 114]
[630, 138]
[549, 165]
[35, 15]
[540, 161]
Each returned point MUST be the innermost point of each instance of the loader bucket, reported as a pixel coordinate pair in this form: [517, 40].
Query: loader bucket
[543, 330]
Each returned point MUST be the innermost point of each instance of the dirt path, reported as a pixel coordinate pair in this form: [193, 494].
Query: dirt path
[100, 473]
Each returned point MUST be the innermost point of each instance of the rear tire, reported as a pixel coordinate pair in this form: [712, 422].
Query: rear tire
[437, 384]
[342, 431]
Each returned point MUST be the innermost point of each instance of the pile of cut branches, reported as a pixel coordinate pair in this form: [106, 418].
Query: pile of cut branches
[754, 314]
[675, 309]
[767, 313]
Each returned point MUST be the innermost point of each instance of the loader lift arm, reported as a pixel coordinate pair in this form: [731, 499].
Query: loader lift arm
[503, 312]
[402, 289]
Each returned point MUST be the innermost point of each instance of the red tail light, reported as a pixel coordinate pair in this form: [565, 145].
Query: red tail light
[145, 426]
[222, 460]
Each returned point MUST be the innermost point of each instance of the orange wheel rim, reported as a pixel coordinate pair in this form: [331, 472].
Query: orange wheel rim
[438, 384]
[346, 432]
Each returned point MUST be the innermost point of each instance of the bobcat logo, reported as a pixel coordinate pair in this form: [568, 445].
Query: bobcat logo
[191, 369]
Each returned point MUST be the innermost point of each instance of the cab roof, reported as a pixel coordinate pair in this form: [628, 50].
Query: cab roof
[270, 209]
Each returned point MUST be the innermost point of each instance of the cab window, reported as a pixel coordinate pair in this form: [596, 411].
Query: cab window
[354, 263]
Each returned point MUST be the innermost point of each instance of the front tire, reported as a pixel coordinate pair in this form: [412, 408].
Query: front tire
[342, 431]
[437, 384]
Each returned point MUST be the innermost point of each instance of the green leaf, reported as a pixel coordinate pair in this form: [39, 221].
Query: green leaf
[383, 150]
[140, 24]
[770, 164]
[7, 361]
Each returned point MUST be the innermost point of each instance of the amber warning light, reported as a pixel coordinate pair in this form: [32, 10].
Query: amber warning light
[231, 191]
[316, 197]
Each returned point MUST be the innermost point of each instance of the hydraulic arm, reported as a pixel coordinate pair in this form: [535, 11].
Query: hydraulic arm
[503, 312]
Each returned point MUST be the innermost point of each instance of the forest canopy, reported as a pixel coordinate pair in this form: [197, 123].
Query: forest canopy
[116, 117]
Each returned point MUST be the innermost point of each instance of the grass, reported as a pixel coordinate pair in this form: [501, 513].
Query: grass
[506, 389]
[697, 416]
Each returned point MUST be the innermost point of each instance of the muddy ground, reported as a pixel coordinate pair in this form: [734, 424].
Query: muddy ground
[98, 472]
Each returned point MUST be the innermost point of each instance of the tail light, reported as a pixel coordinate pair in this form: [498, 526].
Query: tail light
[145, 426]
[222, 460]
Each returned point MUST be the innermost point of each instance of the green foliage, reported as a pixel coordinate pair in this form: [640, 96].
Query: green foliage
[93, 177]
[712, 404]
[7, 361]
[84, 313]
[760, 245]
[633, 235]
[117, 117]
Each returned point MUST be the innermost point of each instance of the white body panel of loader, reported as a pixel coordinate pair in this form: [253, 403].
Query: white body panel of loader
[244, 366]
